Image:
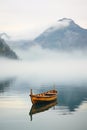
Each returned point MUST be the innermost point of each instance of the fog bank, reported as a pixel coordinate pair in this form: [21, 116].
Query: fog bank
[45, 66]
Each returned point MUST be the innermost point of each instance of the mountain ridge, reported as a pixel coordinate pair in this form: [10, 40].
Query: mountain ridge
[6, 51]
[65, 35]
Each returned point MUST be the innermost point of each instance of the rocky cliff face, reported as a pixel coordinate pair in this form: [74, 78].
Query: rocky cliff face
[5, 50]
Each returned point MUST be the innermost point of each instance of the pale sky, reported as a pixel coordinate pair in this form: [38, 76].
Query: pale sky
[27, 18]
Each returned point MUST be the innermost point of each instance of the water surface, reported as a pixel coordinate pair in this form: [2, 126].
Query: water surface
[68, 113]
[43, 69]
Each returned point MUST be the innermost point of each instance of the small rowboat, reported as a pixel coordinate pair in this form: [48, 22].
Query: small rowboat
[48, 96]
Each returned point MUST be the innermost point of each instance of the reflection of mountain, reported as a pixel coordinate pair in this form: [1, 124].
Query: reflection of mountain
[4, 85]
[41, 107]
[72, 97]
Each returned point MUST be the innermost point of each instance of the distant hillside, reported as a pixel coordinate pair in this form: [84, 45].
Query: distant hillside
[65, 35]
[5, 50]
[20, 44]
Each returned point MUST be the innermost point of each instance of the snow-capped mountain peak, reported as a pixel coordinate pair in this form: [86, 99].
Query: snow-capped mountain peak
[65, 20]
[65, 34]
[60, 24]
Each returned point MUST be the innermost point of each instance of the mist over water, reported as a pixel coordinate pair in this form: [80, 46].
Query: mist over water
[43, 66]
[40, 69]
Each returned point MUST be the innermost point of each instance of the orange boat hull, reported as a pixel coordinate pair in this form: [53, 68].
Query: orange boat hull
[44, 97]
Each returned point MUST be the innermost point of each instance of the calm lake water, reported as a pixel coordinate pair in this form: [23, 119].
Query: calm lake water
[17, 112]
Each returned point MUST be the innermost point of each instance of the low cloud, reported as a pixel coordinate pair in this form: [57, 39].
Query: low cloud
[42, 66]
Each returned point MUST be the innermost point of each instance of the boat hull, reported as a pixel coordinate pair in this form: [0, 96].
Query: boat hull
[40, 98]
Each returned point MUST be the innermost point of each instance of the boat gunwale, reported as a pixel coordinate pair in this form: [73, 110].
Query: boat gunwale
[45, 96]
[50, 93]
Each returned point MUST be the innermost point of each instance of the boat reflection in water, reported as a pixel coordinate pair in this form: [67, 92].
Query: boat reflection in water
[37, 108]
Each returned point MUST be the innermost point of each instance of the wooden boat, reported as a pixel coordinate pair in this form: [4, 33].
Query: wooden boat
[48, 96]
[37, 108]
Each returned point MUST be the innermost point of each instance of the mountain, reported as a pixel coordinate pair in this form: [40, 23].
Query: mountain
[5, 50]
[65, 35]
[20, 44]
[4, 35]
